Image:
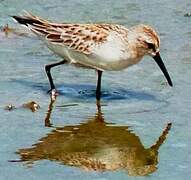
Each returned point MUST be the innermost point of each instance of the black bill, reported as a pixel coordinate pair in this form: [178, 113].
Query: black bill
[160, 63]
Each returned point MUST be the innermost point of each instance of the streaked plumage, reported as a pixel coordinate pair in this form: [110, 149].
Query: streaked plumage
[98, 46]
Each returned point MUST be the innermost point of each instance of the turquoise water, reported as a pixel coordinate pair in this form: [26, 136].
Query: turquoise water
[128, 137]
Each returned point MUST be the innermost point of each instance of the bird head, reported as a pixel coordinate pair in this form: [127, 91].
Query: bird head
[148, 43]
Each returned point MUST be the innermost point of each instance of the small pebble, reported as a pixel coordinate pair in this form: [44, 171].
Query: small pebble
[33, 106]
[9, 107]
[187, 15]
[6, 29]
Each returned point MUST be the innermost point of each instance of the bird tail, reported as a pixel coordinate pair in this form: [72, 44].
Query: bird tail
[26, 20]
[34, 23]
[29, 19]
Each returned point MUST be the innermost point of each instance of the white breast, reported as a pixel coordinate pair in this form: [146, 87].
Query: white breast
[111, 50]
[114, 54]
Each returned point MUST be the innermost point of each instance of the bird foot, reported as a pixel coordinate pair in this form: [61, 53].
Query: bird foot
[53, 93]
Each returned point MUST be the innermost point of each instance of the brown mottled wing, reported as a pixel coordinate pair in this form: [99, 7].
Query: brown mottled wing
[80, 37]
[83, 37]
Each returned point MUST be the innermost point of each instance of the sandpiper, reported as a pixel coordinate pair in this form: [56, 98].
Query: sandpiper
[103, 47]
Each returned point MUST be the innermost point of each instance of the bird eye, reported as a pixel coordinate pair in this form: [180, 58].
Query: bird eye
[151, 46]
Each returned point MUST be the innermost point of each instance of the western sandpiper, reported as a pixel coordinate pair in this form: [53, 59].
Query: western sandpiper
[101, 47]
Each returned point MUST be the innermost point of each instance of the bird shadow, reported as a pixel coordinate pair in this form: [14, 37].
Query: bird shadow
[87, 91]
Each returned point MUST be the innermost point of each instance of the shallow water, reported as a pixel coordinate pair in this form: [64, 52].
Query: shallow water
[72, 137]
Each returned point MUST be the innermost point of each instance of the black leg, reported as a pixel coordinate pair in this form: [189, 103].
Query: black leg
[98, 90]
[47, 69]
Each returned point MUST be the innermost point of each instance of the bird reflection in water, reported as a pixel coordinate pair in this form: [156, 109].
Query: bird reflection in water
[95, 145]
